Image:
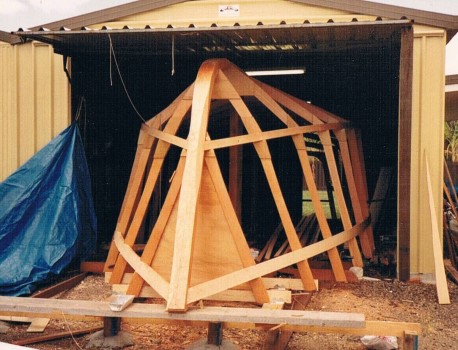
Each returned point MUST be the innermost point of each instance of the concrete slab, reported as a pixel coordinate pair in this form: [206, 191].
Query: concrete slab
[119, 341]
[203, 345]
[4, 327]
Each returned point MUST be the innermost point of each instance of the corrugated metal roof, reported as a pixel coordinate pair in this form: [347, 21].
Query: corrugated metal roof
[449, 22]
[213, 39]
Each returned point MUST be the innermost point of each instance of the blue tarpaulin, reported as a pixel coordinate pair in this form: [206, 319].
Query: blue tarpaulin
[47, 216]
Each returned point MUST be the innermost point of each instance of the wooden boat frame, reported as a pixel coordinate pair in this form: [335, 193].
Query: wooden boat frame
[197, 248]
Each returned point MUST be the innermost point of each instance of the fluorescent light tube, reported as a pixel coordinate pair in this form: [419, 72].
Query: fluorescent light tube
[258, 73]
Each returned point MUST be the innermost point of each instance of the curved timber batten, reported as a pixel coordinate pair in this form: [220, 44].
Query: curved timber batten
[196, 246]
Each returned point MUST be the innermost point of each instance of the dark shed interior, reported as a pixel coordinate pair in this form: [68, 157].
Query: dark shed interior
[353, 73]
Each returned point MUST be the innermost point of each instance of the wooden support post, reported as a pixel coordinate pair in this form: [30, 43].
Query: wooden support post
[276, 338]
[215, 333]
[404, 160]
[410, 340]
[111, 326]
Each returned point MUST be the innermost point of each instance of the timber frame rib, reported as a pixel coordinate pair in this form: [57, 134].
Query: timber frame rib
[197, 247]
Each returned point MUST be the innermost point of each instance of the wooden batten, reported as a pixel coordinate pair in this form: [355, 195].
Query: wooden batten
[197, 248]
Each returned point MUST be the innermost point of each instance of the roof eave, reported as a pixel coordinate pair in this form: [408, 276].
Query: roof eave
[448, 22]
[9, 38]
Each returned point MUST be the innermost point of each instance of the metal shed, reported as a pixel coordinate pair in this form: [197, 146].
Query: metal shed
[380, 66]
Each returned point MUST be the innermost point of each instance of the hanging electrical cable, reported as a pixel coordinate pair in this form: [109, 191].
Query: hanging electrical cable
[113, 55]
[173, 55]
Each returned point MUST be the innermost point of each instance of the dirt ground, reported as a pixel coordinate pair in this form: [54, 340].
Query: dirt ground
[387, 300]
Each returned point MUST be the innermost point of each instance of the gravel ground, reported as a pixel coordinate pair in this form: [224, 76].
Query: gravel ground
[387, 300]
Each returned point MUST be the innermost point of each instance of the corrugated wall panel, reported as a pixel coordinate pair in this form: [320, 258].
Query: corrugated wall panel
[427, 135]
[34, 101]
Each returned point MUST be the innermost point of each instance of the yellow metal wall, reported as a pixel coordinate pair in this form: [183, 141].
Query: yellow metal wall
[206, 12]
[34, 101]
[427, 135]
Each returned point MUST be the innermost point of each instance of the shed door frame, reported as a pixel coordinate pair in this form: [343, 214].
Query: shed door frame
[405, 149]
[68, 42]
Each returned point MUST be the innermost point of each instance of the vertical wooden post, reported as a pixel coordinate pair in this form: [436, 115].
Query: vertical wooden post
[215, 333]
[404, 142]
[410, 340]
[111, 326]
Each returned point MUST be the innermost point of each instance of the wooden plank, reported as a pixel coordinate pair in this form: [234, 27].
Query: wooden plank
[241, 295]
[38, 325]
[269, 282]
[270, 135]
[325, 138]
[380, 192]
[130, 201]
[273, 333]
[163, 117]
[301, 148]
[357, 160]
[235, 166]
[354, 197]
[441, 279]
[321, 274]
[60, 335]
[308, 112]
[382, 328]
[404, 159]
[144, 270]
[169, 138]
[333, 254]
[92, 266]
[266, 267]
[149, 252]
[59, 308]
[266, 251]
[277, 339]
[140, 212]
[266, 161]
[181, 264]
[60, 287]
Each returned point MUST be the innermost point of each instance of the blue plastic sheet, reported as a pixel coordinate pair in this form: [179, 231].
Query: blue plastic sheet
[47, 216]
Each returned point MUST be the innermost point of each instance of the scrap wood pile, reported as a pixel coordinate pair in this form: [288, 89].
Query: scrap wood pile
[197, 248]
[307, 231]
